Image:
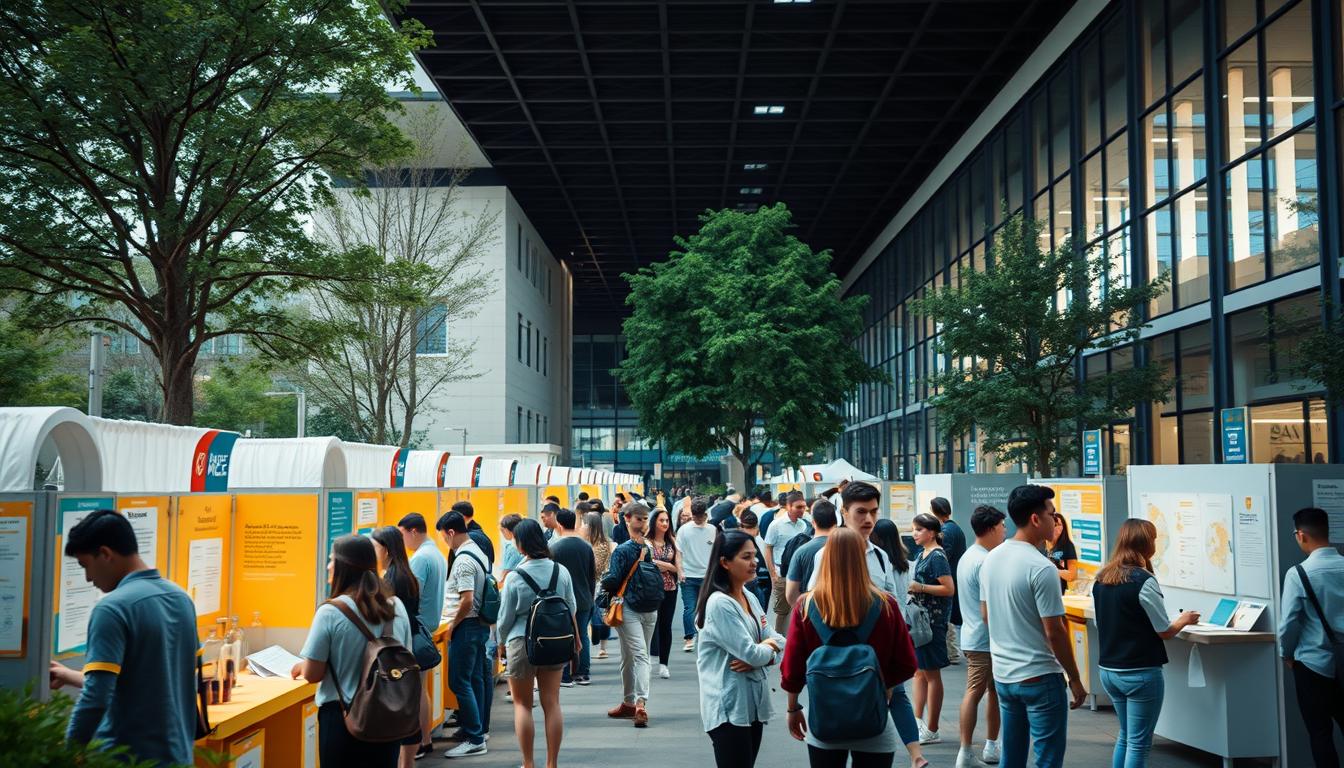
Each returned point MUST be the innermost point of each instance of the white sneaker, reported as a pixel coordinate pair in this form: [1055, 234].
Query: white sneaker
[466, 749]
[690, 645]
[928, 737]
[965, 759]
[991, 752]
[664, 672]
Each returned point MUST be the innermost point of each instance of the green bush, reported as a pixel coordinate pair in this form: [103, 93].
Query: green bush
[32, 735]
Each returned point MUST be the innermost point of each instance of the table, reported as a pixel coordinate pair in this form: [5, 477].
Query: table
[281, 708]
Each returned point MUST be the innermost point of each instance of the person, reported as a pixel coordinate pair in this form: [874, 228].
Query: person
[781, 532]
[515, 603]
[570, 550]
[804, 557]
[636, 630]
[620, 532]
[511, 557]
[1307, 646]
[954, 546]
[765, 508]
[1132, 622]
[138, 685]
[860, 504]
[932, 589]
[838, 497]
[748, 524]
[583, 496]
[474, 529]
[390, 550]
[736, 646]
[430, 569]
[333, 654]
[723, 515]
[887, 537]
[683, 514]
[667, 559]
[548, 524]
[1062, 553]
[987, 524]
[467, 635]
[843, 595]
[695, 540]
[1029, 644]
[596, 536]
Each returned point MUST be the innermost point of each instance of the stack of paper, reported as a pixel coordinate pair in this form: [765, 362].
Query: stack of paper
[272, 662]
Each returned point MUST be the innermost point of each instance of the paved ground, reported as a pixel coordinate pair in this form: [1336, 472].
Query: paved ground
[675, 738]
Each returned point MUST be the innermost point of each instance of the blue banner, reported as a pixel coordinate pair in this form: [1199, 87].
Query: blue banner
[1092, 452]
[340, 519]
[1236, 448]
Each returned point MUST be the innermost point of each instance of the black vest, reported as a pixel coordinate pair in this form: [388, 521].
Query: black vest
[1127, 637]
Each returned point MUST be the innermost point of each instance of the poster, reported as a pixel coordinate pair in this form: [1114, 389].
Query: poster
[1219, 556]
[205, 569]
[247, 752]
[1159, 509]
[366, 513]
[310, 735]
[145, 522]
[340, 517]
[901, 504]
[15, 556]
[1252, 547]
[275, 568]
[1329, 496]
[75, 595]
[203, 518]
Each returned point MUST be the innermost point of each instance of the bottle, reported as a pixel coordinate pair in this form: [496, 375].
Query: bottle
[238, 651]
[255, 635]
[210, 654]
[226, 651]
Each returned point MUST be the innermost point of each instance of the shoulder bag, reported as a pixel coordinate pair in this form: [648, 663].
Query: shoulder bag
[615, 614]
[1336, 647]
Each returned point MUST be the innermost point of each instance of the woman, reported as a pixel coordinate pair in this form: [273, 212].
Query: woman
[736, 644]
[596, 536]
[510, 557]
[932, 589]
[843, 596]
[515, 602]
[333, 654]
[1063, 554]
[668, 561]
[887, 537]
[396, 569]
[1132, 623]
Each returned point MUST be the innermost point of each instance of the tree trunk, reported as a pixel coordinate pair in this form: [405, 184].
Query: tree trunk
[1043, 458]
[412, 396]
[177, 370]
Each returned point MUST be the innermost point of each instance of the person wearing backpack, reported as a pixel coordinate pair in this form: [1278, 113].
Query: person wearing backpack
[848, 646]
[540, 637]
[633, 588]
[470, 593]
[361, 624]
[737, 642]
[800, 553]
[1313, 649]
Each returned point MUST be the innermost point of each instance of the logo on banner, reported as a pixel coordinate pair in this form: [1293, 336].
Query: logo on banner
[476, 472]
[442, 473]
[397, 477]
[513, 472]
[210, 463]
[816, 476]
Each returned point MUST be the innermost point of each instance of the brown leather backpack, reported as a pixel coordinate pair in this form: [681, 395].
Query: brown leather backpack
[386, 704]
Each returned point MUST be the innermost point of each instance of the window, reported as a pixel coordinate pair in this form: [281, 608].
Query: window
[520, 337]
[529, 344]
[520, 247]
[545, 436]
[431, 331]
[529, 426]
[519, 430]
[537, 364]
[545, 356]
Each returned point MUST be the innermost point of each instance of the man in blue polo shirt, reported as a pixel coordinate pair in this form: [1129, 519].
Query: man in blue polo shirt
[138, 686]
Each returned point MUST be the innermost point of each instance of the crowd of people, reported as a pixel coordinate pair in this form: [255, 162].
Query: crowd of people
[824, 596]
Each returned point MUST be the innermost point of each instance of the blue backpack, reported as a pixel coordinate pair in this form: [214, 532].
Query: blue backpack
[846, 696]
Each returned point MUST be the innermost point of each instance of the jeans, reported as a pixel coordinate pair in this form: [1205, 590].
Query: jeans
[600, 631]
[690, 595]
[582, 665]
[903, 715]
[779, 603]
[1320, 700]
[1137, 697]
[1034, 712]
[488, 674]
[736, 746]
[662, 634]
[466, 677]
[636, 633]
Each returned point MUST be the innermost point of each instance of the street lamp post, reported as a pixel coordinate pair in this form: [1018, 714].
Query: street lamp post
[302, 406]
[463, 430]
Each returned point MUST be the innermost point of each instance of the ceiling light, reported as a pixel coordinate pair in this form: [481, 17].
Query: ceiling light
[792, 2]
[768, 109]
[755, 166]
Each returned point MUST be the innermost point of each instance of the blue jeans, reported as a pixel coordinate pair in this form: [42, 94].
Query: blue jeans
[690, 595]
[1034, 712]
[581, 666]
[1137, 696]
[466, 677]
[488, 674]
[903, 715]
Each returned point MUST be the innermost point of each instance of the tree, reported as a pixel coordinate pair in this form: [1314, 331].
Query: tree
[158, 160]
[742, 326]
[1022, 391]
[234, 397]
[31, 372]
[429, 246]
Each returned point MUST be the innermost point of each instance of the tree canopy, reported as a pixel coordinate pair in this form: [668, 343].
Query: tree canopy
[743, 326]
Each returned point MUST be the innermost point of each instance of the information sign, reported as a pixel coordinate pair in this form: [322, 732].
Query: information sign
[1236, 448]
[1092, 452]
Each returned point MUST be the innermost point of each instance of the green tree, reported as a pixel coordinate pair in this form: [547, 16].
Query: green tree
[32, 733]
[234, 397]
[31, 372]
[158, 161]
[1018, 384]
[743, 326]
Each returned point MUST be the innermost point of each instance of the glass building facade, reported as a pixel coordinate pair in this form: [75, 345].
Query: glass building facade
[1195, 139]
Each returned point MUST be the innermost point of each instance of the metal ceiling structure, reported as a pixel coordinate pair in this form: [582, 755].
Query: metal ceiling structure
[616, 123]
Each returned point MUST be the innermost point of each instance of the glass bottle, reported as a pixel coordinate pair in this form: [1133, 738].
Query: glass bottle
[226, 650]
[210, 654]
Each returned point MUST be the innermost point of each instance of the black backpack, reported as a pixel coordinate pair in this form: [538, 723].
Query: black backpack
[550, 624]
[645, 592]
[794, 544]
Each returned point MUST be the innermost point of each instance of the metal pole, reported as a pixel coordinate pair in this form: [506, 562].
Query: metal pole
[95, 374]
[303, 413]
[464, 441]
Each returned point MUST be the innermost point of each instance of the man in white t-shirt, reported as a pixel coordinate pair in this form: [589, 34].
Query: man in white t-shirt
[1028, 640]
[467, 635]
[694, 541]
[780, 533]
[987, 522]
[430, 568]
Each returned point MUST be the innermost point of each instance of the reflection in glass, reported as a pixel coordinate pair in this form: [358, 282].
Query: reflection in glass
[1197, 445]
[1196, 368]
[1156, 155]
[1295, 226]
[1187, 135]
[1278, 434]
[1288, 66]
[1116, 197]
[1157, 227]
[1094, 197]
[1246, 224]
[1241, 96]
[1190, 245]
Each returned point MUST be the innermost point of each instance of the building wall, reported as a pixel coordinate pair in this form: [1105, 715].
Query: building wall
[1106, 134]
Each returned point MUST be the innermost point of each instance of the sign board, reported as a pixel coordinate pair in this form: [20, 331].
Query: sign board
[657, 470]
[970, 459]
[1092, 452]
[1236, 448]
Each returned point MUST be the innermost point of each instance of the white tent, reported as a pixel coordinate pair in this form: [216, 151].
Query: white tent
[833, 473]
[162, 458]
[498, 472]
[291, 462]
[424, 469]
[25, 432]
[462, 472]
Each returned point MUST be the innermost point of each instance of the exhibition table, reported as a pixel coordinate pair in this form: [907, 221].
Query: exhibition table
[281, 710]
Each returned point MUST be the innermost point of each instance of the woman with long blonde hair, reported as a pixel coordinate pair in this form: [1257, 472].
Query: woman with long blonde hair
[843, 599]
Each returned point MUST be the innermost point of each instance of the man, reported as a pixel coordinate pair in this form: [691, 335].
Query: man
[694, 540]
[765, 507]
[839, 496]
[761, 587]
[487, 548]
[583, 496]
[467, 635]
[636, 630]
[548, 524]
[431, 571]
[1029, 644]
[724, 514]
[805, 557]
[138, 685]
[1307, 649]
[954, 546]
[576, 555]
[987, 522]
[475, 530]
[781, 533]
[862, 503]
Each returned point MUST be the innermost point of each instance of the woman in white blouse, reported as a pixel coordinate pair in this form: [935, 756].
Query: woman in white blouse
[736, 643]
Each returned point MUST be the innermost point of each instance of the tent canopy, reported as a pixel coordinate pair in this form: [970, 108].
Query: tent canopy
[834, 472]
[290, 462]
[25, 432]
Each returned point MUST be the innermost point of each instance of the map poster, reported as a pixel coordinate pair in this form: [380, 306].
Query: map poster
[1180, 543]
[1219, 557]
[1158, 509]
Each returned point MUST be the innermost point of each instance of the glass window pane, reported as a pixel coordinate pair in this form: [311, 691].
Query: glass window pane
[1040, 142]
[1238, 18]
[1241, 92]
[1190, 245]
[1060, 110]
[1196, 368]
[1288, 66]
[1294, 233]
[1261, 361]
[1041, 213]
[1198, 438]
[1154, 42]
[1245, 224]
[1089, 75]
[1165, 448]
[1156, 147]
[1157, 228]
[1320, 444]
[1278, 434]
[1014, 163]
[1093, 198]
[1117, 200]
[1063, 216]
[431, 331]
[1187, 37]
[1115, 74]
[1190, 163]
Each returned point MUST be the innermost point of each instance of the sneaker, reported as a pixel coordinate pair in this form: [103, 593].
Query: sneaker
[466, 749]
[965, 759]
[566, 683]
[584, 680]
[622, 711]
[601, 653]
[641, 716]
[664, 672]
[991, 752]
[690, 645]
[424, 751]
[928, 737]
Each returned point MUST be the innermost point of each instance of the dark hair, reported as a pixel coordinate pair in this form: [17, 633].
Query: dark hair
[529, 540]
[1028, 500]
[765, 497]
[583, 496]
[551, 508]
[510, 521]
[566, 519]
[354, 572]
[1312, 521]
[635, 508]
[398, 575]
[727, 545]
[789, 498]
[553, 499]
[597, 534]
[859, 491]
[940, 507]
[464, 509]
[700, 506]
[985, 518]
[930, 523]
[748, 519]
[621, 496]
[1064, 532]
[103, 528]
[582, 508]
[596, 505]
[823, 515]
[452, 521]
[413, 522]
[886, 537]
[653, 526]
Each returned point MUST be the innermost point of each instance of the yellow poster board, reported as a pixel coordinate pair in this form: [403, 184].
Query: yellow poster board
[274, 558]
[149, 517]
[901, 504]
[1083, 507]
[16, 559]
[593, 491]
[488, 504]
[561, 492]
[400, 503]
[201, 553]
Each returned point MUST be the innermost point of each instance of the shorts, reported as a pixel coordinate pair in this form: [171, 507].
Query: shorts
[979, 670]
[518, 667]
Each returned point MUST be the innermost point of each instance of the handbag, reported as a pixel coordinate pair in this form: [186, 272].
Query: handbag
[422, 646]
[921, 627]
[615, 614]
